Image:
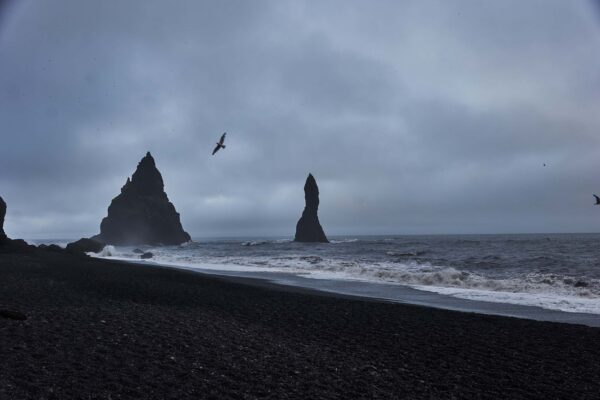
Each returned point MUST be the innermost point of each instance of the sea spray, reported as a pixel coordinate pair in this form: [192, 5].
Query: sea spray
[107, 251]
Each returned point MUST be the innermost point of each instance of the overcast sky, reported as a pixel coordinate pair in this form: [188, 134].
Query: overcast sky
[413, 116]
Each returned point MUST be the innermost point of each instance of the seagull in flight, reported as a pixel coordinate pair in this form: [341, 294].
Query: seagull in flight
[220, 144]
[597, 200]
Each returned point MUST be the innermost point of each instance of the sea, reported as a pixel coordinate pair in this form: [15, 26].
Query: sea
[553, 277]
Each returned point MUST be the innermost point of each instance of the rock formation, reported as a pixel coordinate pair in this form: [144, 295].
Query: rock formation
[2, 214]
[85, 246]
[11, 245]
[51, 247]
[308, 228]
[142, 212]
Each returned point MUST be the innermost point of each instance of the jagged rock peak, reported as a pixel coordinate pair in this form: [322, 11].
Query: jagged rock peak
[126, 185]
[142, 212]
[146, 179]
[309, 228]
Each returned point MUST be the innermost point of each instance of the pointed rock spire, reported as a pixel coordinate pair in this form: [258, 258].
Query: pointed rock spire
[147, 179]
[2, 214]
[308, 228]
[142, 213]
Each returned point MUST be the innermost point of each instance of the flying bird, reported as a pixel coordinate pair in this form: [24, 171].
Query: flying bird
[220, 144]
[597, 200]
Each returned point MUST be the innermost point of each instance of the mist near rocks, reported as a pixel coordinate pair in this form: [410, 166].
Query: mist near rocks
[414, 117]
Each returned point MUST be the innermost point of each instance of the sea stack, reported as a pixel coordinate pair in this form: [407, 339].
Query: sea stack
[7, 244]
[3, 237]
[142, 212]
[308, 228]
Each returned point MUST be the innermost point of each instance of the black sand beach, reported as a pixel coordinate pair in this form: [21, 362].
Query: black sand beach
[107, 330]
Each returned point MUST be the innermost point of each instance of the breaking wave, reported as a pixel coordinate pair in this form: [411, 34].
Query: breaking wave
[107, 251]
[255, 243]
[492, 274]
[333, 241]
[551, 291]
[261, 242]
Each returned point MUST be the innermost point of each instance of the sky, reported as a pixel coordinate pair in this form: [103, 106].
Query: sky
[415, 117]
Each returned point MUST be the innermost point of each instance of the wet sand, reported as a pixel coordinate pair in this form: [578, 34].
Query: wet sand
[99, 329]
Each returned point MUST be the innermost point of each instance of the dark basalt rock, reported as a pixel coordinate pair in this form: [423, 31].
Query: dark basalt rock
[11, 245]
[146, 255]
[308, 228]
[85, 246]
[16, 246]
[142, 213]
[138, 251]
[3, 237]
[53, 247]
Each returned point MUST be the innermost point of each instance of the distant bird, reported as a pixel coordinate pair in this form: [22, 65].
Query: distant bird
[544, 165]
[220, 145]
[597, 200]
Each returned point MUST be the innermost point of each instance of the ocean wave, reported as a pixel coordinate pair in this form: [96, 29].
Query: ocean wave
[262, 242]
[107, 251]
[334, 241]
[406, 253]
[547, 290]
[547, 300]
[255, 243]
[410, 273]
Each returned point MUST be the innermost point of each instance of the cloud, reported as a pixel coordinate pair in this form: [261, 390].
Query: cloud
[415, 117]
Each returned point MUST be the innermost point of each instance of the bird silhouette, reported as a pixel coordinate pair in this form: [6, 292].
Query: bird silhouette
[597, 200]
[220, 144]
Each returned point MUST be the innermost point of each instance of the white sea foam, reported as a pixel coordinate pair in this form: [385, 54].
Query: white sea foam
[255, 243]
[552, 301]
[333, 241]
[405, 253]
[107, 251]
[261, 242]
[551, 291]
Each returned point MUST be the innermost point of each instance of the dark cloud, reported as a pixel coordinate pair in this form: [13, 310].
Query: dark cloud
[415, 117]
